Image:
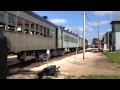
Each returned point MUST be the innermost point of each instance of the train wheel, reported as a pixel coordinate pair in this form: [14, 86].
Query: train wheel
[39, 58]
[36, 59]
[62, 53]
[44, 57]
[22, 60]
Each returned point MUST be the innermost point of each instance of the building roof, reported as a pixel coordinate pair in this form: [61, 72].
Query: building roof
[115, 20]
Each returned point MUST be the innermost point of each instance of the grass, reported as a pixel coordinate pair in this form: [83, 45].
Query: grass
[115, 56]
[69, 77]
[103, 77]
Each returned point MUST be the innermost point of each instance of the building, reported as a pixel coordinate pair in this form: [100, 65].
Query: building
[115, 34]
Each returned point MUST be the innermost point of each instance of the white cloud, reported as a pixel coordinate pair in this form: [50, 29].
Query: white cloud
[96, 23]
[79, 28]
[81, 36]
[88, 28]
[101, 33]
[109, 29]
[89, 43]
[102, 13]
[59, 21]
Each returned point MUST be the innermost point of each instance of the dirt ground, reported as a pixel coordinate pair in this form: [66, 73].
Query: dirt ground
[94, 64]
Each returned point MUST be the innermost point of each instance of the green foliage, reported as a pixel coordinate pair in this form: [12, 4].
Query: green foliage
[69, 77]
[106, 38]
[103, 77]
[114, 56]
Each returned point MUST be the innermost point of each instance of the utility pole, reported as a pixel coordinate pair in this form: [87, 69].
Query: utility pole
[98, 38]
[104, 42]
[83, 34]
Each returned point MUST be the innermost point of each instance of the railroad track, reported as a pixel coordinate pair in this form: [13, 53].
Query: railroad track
[24, 68]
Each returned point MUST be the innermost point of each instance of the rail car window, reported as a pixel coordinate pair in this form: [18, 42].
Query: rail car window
[19, 24]
[11, 22]
[32, 26]
[26, 24]
[71, 39]
[51, 34]
[26, 31]
[26, 27]
[37, 29]
[48, 33]
[45, 32]
[32, 32]
[41, 30]
[2, 20]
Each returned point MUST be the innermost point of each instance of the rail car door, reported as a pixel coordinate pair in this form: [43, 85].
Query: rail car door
[56, 37]
[62, 38]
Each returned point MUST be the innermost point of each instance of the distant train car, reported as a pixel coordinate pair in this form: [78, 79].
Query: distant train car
[81, 43]
[66, 41]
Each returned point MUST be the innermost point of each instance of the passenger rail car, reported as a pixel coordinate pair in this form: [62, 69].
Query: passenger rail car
[27, 33]
[67, 40]
[30, 35]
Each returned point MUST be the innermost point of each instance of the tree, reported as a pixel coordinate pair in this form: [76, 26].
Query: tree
[106, 36]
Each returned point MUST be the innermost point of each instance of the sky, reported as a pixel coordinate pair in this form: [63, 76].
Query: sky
[73, 20]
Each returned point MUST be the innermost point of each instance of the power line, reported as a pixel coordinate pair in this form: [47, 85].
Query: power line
[60, 15]
[90, 20]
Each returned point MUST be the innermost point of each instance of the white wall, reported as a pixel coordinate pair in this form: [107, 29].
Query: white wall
[117, 40]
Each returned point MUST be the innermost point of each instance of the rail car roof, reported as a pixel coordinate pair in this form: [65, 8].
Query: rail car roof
[67, 31]
[40, 18]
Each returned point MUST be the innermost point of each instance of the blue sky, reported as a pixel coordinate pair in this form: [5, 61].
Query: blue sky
[73, 20]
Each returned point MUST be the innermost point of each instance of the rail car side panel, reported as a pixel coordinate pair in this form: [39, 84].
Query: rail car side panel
[23, 42]
[70, 43]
